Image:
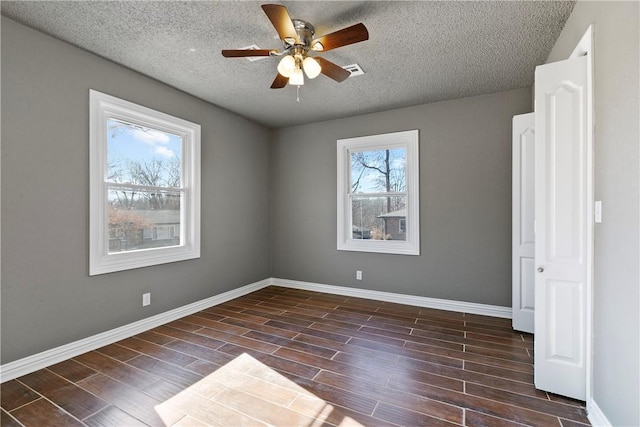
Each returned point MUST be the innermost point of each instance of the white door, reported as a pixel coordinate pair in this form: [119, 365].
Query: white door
[523, 188]
[563, 214]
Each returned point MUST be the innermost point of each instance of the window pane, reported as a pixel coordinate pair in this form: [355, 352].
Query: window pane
[143, 219]
[379, 171]
[142, 156]
[378, 218]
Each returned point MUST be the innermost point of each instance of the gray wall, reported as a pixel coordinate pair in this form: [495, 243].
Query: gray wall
[465, 201]
[617, 251]
[48, 299]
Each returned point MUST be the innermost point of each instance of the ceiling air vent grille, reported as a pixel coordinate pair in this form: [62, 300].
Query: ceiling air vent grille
[354, 69]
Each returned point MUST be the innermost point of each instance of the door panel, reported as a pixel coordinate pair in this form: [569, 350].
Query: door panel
[527, 288]
[564, 334]
[564, 106]
[562, 215]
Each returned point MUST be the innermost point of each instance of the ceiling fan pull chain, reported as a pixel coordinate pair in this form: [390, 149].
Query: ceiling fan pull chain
[298, 94]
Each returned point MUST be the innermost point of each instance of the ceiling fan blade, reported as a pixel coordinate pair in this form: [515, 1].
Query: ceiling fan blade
[243, 53]
[353, 34]
[332, 70]
[280, 82]
[279, 17]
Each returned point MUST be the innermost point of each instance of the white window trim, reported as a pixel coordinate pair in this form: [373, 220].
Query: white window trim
[103, 107]
[345, 241]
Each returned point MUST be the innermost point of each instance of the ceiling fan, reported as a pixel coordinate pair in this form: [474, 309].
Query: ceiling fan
[298, 39]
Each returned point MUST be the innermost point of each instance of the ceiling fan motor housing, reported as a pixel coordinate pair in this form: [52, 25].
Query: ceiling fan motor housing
[305, 33]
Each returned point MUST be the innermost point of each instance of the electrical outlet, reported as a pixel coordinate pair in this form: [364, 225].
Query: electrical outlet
[358, 275]
[146, 299]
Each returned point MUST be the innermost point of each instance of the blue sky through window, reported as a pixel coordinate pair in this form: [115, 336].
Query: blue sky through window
[369, 170]
[130, 145]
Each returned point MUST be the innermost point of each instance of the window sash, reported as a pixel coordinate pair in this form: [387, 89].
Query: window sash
[371, 220]
[143, 187]
[380, 194]
[141, 215]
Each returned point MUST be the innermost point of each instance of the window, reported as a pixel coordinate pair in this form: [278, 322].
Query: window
[378, 194]
[144, 186]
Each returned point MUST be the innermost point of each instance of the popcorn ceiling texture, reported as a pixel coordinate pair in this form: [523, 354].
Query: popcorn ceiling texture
[418, 51]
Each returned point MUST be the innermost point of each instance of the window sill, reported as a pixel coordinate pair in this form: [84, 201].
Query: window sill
[380, 246]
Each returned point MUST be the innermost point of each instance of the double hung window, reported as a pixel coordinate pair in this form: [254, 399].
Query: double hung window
[145, 186]
[378, 195]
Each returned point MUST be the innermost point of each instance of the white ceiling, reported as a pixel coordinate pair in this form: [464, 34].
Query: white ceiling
[417, 52]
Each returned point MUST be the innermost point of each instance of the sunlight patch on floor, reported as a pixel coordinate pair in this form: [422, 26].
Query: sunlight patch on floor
[246, 392]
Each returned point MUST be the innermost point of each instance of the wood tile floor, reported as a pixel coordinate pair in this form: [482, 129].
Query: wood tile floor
[289, 357]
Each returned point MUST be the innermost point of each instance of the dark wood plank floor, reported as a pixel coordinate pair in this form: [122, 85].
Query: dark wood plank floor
[296, 358]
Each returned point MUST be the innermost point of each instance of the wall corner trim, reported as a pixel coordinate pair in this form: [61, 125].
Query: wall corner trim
[32, 363]
[440, 304]
[26, 365]
[596, 417]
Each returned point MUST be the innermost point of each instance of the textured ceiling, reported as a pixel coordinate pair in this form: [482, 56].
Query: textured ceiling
[417, 52]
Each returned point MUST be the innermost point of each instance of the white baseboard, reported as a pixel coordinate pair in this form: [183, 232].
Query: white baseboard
[29, 364]
[596, 417]
[440, 304]
[50, 357]
[32, 363]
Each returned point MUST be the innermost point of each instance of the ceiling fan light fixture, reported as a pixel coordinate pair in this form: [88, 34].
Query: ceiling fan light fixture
[317, 46]
[287, 66]
[311, 67]
[296, 77]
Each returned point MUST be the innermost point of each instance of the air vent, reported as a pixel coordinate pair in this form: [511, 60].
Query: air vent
[253, 58]
[354, 69]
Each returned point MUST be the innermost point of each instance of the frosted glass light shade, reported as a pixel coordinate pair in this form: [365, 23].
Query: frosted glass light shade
[311, 67]
[296, 77]
[287, 65]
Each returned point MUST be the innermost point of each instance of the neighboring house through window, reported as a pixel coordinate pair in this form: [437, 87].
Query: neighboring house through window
[145, 186]
[378, 194]
[395, 224]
